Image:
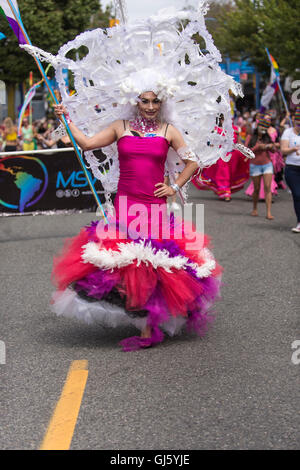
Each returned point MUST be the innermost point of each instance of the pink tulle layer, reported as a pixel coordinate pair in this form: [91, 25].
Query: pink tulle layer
[161, 292]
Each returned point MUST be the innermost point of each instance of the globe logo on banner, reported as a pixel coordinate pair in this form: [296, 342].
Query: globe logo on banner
[23, 182]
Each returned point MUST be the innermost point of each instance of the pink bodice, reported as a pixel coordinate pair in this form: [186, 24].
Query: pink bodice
[142, 164]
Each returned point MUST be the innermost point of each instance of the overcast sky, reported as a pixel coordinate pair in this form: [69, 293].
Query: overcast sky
[145, 8]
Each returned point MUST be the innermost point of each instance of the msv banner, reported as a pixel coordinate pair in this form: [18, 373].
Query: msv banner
[44, 180]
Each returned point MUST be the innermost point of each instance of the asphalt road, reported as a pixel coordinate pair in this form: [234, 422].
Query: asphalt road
[236, 388]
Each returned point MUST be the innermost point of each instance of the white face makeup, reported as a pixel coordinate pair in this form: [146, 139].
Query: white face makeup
[149, 105]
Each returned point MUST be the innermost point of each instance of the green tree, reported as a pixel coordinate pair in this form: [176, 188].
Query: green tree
[214, 17]
[101, 18]
[247, 27]
[50, 24]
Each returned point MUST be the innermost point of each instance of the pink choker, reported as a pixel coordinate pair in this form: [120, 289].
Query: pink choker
[143, 125]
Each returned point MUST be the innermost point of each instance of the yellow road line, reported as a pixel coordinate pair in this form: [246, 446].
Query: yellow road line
[62, 424]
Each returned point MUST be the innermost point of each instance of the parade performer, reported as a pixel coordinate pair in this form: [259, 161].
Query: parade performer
[158, 97]
[225, 178]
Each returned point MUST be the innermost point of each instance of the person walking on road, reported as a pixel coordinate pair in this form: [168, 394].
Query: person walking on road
[145, 294]
[261, 167]
[144, 268]
[290, 148]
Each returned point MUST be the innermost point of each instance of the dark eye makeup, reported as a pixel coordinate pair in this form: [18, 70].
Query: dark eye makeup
[156, 101]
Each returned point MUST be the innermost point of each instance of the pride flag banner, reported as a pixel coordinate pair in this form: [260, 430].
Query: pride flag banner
[29, 95]
[275, 80]
[7, 13]
[2, 92]
[269, 91]
[274, 65]
[9, 9]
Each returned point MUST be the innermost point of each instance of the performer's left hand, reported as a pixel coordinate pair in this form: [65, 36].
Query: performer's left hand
[163, 190]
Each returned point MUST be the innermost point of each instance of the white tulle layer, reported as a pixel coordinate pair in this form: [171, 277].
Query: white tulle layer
[68, 304]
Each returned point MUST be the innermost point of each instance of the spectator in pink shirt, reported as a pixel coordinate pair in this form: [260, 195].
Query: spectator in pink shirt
[261, 167]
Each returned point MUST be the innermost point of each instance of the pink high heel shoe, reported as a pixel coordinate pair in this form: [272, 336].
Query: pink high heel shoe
[137, 342]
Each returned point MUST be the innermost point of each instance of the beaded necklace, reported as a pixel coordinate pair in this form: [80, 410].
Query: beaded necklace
[144, 125]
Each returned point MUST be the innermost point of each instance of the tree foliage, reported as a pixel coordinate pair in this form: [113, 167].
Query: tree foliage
[101, 18]
[50, 24]
[244, 29]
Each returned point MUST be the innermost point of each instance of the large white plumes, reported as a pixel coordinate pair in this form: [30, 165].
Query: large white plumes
[158, 54]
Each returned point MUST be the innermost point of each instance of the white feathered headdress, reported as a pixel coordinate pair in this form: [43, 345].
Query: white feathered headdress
[158, 54]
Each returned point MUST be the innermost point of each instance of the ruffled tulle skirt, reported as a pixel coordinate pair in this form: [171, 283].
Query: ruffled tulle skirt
[167, 283]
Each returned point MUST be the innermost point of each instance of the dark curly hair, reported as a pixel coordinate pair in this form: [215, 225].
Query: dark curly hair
[266, 139]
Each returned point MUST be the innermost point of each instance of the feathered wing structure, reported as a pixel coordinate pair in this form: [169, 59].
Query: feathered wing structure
[159, 54]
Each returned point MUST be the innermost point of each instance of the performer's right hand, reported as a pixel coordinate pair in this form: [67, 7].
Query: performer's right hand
[59, 110]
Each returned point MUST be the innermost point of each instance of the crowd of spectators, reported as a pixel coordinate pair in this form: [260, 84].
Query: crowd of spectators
[276, 160]
[275, 140]
[247, 122]
[35, 136]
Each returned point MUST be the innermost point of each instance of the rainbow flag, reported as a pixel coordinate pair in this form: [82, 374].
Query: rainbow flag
[29, 95]
[5, 11]
[269, 92]
[274, 65]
